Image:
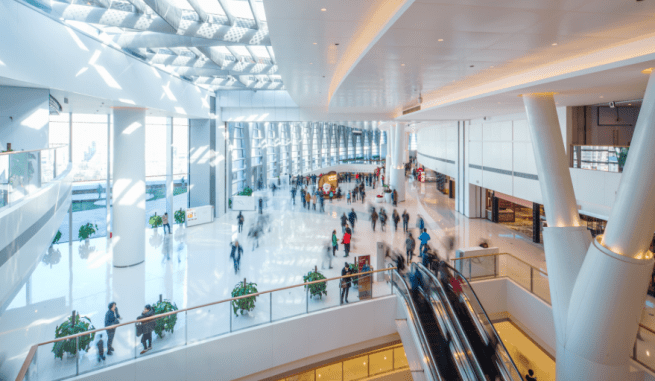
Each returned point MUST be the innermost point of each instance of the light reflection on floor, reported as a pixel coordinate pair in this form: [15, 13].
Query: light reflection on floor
[525, 353]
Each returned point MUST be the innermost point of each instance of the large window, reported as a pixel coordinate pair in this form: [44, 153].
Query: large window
[412, 141]
[359, 141]
[295, 142]
[238, 157]
[285, 152]
[272, 142]
[325, 148]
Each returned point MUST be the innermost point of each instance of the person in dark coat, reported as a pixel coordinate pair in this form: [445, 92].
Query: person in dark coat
[344, 221]
[261, 205]
[405, 221]
[146, 328]
[112, 317]
[101, 348]
[374, 219]
[410, 244]
[396, 218]
[240, 220]
[237, 252]
[383, 219]
[352, 217]
[293, 195]
[345, 283]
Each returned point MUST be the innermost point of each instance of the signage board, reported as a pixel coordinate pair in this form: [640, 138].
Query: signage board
[365, 281]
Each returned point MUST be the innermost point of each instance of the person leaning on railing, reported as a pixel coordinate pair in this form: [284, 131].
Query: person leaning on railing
[112, 317]
[145, 329]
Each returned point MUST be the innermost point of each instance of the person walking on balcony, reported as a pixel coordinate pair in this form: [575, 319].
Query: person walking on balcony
[165, 224]
[112, 317]
[146, 328]
[345, 282]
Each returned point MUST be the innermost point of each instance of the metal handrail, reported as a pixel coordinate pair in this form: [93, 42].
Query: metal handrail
[499, 254]
[34, 150]
[33, 348]
[493, 329]
[416, 322]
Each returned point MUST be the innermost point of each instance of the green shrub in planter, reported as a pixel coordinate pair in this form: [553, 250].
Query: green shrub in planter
[354, 270]
[246, 192]
[87, 231]
[70, 327]
[179, 216]
[155, 221]
[166, 323]
[57, 238]
[319, 289]
[245, 304]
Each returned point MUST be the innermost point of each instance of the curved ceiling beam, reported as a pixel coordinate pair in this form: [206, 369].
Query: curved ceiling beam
[378, 21]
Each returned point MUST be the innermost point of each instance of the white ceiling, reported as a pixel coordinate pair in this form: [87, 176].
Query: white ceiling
[483, 41]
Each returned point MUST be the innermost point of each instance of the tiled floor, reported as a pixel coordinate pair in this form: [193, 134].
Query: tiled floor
[192, 267]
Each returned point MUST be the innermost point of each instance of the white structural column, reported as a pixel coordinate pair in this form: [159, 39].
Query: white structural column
[565, 242]
[129, 193]
[398, 163]
[169, 170]
[608, 297]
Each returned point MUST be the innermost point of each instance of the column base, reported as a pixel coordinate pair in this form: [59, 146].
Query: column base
[603, 316]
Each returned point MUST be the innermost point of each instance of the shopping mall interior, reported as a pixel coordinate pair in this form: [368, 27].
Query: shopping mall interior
[327, 190]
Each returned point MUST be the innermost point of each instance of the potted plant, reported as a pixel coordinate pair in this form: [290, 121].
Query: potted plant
[180, 216]
[166, 323]
[73, 325]
[318, 289]
[245, 304]
[354, 270]
[155, 221]
[57, 237]
[247, 191]
[229, 203]
[86, 231]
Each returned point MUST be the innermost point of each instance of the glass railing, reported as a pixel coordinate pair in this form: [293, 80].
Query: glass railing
[77, 354]
[599, 158]
[25, 172]
[535, 280]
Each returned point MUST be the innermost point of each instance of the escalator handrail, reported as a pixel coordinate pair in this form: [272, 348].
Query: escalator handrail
[493, 329]
[417, 325]
[456, 324]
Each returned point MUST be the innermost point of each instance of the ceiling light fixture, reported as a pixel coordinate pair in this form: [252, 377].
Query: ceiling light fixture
[311, 63]
[554, 44]
[323, 9]
[402, 64]
[440, 40]
[602, 96]
[315, 43]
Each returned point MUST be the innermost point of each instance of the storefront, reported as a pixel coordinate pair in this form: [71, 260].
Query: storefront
[523, 216]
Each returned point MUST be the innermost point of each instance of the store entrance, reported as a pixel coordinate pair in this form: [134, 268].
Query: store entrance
[517, 214]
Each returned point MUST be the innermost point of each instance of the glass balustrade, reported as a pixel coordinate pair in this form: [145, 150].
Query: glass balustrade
[78, 354]
[599, 158]
[25, 172]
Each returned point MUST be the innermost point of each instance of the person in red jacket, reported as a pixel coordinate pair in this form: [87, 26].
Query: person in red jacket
[346, 241]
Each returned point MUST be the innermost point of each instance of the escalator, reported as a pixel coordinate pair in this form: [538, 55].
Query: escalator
[487, 354]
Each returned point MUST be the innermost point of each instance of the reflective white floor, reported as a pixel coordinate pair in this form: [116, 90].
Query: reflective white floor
[192, 267]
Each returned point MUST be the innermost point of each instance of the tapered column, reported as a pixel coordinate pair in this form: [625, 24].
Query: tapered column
[129, 193]
[169, 170]
[398, 169]
[390, 149]
[565, 242]
[609, 294]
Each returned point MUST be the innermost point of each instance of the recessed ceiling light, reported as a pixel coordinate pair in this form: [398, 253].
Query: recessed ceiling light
[440, 40]
[311, 63]
[491, 66]
[602, 96]
[323, 9]
[402, 64]
[315, 43]
[554, 43]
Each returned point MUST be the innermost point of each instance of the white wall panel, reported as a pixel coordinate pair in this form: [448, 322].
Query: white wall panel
[24, 118]
[497, 131]
[475, 132]
[498, 182]
[521, 131]
[475, 177]
[524, 158]
[527, 189]
[475, 153]
[497, 155]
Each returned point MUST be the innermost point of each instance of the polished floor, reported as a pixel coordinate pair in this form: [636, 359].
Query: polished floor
[192, 267]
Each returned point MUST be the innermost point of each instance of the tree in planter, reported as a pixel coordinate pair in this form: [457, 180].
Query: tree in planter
[155, 221]
[87, 231]
[166, 323]
[354, 270]
[72, 327]
[179, 216]
[319, 289]
[245, 304]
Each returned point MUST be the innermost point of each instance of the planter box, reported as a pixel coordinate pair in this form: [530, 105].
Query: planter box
[387, 198]
[379, 200]
[243, 203]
